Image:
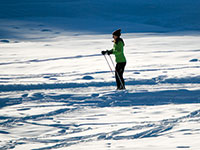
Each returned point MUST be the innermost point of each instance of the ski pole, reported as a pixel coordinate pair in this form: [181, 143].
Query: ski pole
[117, 72]
[108, 64]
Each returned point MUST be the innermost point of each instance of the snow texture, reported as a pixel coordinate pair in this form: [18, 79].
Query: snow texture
[57, 92]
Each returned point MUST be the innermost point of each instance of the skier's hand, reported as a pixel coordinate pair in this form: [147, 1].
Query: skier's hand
[103, 52]
[109, 52]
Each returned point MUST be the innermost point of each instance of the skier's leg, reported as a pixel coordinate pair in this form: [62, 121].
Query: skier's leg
[117, 75]
[123, 67]
[121, 71]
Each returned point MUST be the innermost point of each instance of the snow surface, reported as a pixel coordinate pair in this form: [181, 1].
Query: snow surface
[56, 90]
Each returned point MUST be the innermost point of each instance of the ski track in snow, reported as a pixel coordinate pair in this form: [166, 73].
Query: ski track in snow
[43, 106]
[79, 120]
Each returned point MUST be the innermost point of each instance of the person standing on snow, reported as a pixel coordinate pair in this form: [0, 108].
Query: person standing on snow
[118, 51]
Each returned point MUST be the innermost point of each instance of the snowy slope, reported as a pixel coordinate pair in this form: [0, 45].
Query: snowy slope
[56, 90]
[57, 95]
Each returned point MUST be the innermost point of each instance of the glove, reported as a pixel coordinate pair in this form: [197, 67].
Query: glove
[109, 52]
[103, 52]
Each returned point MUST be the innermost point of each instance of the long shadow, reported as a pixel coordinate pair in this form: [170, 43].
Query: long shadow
[126, 98]
[114, 99]
[150, 98]
[153, 81]
[49, 59]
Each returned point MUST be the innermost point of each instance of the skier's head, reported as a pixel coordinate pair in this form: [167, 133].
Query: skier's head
[116, 34]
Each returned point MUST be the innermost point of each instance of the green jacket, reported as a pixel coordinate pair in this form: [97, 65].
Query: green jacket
[118, 51]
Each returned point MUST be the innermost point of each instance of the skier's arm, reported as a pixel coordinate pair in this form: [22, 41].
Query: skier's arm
[117, 49]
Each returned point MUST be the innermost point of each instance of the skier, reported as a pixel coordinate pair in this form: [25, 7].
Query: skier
[118, 51]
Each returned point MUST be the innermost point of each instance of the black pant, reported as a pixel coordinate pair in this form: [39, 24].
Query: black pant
[119, 70]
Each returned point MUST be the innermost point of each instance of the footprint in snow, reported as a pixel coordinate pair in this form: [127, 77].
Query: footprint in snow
[25, 95]
[52, 78]
[95, 95]
[23, 109]
[194, 60]
[4, 132]
[36, 96]
[46, 30]
[4, 41]
[183, 147]
[46, 77]
[136, 72]
[87, 78]
[49, 77]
